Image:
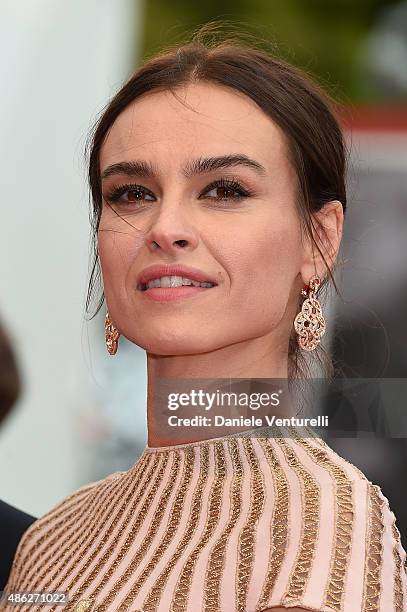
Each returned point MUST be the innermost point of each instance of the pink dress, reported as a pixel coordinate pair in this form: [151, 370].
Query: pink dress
[238, 523]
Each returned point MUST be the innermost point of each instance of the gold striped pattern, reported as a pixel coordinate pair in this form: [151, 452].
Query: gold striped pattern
[173, 522]
[246, 545]
[310, 493]
[216, 562]
[83, 538]
[83, 605]
[59, 518]
[278, 523]
[158, 537]
[375, 527]
[344, 516]
[140, 516]
[181, 593]
[399, 600]
[66, 533]
[153, 598]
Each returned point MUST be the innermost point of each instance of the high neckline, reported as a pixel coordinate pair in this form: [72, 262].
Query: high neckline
[266, 432]
[196, 443]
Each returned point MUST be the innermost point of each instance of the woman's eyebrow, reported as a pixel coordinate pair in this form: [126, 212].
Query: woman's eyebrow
[207, 164]
[130, 168]
[201, 165]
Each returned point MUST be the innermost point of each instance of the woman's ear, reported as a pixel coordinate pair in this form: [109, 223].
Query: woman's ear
[327, 227]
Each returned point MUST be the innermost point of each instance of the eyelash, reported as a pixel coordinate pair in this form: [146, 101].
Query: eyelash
[114, 195]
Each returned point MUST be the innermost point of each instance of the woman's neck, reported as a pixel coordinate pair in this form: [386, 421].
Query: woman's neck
[252, 359]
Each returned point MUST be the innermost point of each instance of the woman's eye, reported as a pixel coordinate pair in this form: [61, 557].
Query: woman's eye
[220, 190]
[225, 190]
[129, 194]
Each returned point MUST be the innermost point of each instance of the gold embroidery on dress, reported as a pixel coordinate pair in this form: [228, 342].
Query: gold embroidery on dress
[216, 561]
[120, 522]
[278, 523]
[399, 603]
[344, 516]
[374, 552]
[30, 575]
[80, 525]
[136, 523]
[83, 605]
[153, 598]
[71, 536]
[398, 585]
[71, 502]
[94, 524]
[172, 526]
[181, 593]
[310, 494]
[246, 543]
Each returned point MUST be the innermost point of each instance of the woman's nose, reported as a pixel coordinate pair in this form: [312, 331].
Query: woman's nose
[165, 246]
[170, 233]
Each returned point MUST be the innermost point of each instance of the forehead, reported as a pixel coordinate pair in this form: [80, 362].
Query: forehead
[207, 119]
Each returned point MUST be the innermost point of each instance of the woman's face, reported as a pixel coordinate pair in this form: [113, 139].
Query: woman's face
[242, 232]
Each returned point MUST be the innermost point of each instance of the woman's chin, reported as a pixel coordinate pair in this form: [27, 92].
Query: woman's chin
[177, 342]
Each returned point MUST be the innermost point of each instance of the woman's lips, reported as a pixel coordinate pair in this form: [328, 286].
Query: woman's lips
[167, 294]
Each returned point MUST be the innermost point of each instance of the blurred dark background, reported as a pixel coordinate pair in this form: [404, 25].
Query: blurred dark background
[358, 48]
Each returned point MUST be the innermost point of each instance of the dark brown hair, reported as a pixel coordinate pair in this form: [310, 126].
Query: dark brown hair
[303, 111]
[10, 378]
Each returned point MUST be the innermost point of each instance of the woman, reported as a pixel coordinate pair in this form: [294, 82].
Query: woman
[218, 164]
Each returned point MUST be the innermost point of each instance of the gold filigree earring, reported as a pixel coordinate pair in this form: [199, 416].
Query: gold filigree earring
[310, 323]
[111, 334]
